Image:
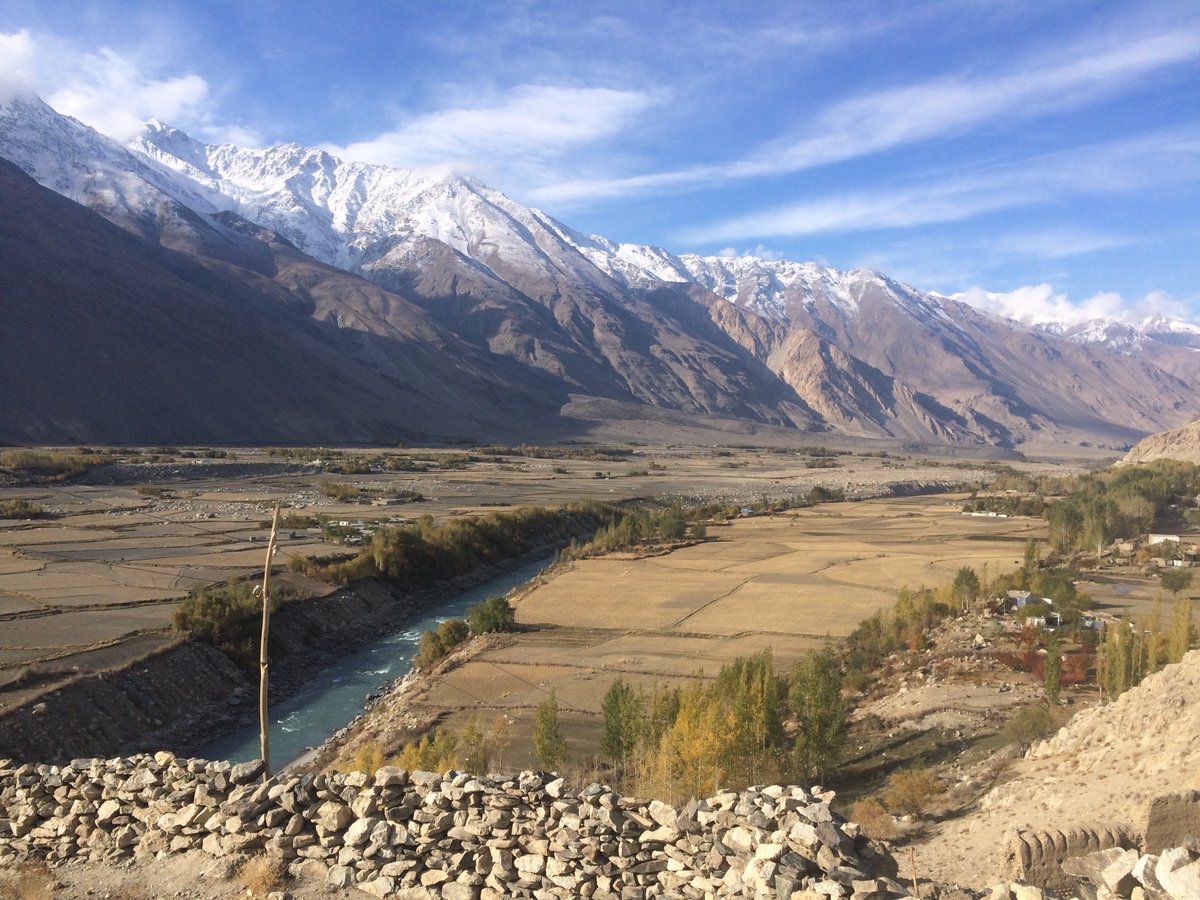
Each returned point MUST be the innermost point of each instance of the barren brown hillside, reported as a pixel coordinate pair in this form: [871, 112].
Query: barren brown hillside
[1179, 443]
[1100, 769]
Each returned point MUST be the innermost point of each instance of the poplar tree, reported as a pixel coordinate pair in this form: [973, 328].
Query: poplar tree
[816, 700]
[548, 741]
[1183, 631]
[1053, 678]
[623, 718]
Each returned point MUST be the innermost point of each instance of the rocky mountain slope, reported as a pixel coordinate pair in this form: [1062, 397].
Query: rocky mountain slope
[108, 338]
[1179, 443]
[1100, 770]
[559, 313]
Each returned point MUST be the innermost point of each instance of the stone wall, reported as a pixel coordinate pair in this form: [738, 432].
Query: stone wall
[1036, 855]
[453, 835]
[1169, 821]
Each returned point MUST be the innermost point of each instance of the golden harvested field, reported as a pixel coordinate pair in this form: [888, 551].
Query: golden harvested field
[107, 564]
[782, 581]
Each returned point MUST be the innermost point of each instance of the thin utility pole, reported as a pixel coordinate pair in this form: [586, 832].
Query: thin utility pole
[263, 725]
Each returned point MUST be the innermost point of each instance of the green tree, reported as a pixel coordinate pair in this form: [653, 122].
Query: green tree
[1176, 580]
[815, 696]
[1033, 558]
[437, 645]
[493, 615]
[1183, 630]
[499, 737]
[1053, 675]
[472, 748]
[671, 525]
[966, 587]
[548, 740]
[623, 717]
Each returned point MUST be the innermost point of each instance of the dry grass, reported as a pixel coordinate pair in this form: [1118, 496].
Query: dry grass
[875, 821]
[262, 874]
[27, 881]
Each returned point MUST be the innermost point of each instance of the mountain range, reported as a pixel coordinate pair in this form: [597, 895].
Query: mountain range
[168, 290]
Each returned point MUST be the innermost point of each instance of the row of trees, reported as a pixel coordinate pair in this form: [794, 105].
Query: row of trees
[748, 725]
[639, 526]
[423, 552]
[1132, 651]
[474, 748]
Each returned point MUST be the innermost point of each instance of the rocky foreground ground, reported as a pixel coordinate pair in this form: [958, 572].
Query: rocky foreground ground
[454, 836]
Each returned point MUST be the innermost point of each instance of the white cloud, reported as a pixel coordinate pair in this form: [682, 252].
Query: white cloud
[1056, 243]
[111, 91]
[942, 107]
[17, 53]
[1039, 304]
[761, 252]
[527, 126]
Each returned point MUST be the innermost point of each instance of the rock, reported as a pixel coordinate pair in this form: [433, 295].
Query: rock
[334, 816]
[530, 864]
[340, 877]
[1117, 876]
[244, 773]
[770, 852]
[382, 886]
[359, 832]
[456, 890]
[108, 810]
[1178, 871]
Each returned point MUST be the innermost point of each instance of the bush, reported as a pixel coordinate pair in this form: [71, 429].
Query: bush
[262, 875]
[495, 614]
[1030, 724]
[51, 466]
[437, 645]
[229, 617]
[911, 792]
[20, 509]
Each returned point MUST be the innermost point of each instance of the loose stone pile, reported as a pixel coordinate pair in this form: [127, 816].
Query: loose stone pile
[453, 835]
[1173, 874]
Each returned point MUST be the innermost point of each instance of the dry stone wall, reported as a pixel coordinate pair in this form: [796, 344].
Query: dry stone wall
[1036, 855]
[397, 833]
[1041, 856]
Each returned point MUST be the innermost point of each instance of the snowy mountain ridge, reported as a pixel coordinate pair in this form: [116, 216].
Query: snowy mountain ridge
[482, 278]
[352, 215]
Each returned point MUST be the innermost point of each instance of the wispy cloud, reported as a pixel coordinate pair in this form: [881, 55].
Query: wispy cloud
[1112, 167]
[1040, 303]
[527, 126]
[1085, 73]
[1059, 243]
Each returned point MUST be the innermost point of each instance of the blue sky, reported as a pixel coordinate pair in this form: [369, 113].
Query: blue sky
[1045, 152]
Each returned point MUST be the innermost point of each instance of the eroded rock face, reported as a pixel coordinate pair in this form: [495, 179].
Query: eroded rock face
[454, 835]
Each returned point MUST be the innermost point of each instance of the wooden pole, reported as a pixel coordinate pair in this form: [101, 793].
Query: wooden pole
[263, 724]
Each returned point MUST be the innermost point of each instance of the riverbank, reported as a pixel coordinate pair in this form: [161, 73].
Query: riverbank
[183, 697]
